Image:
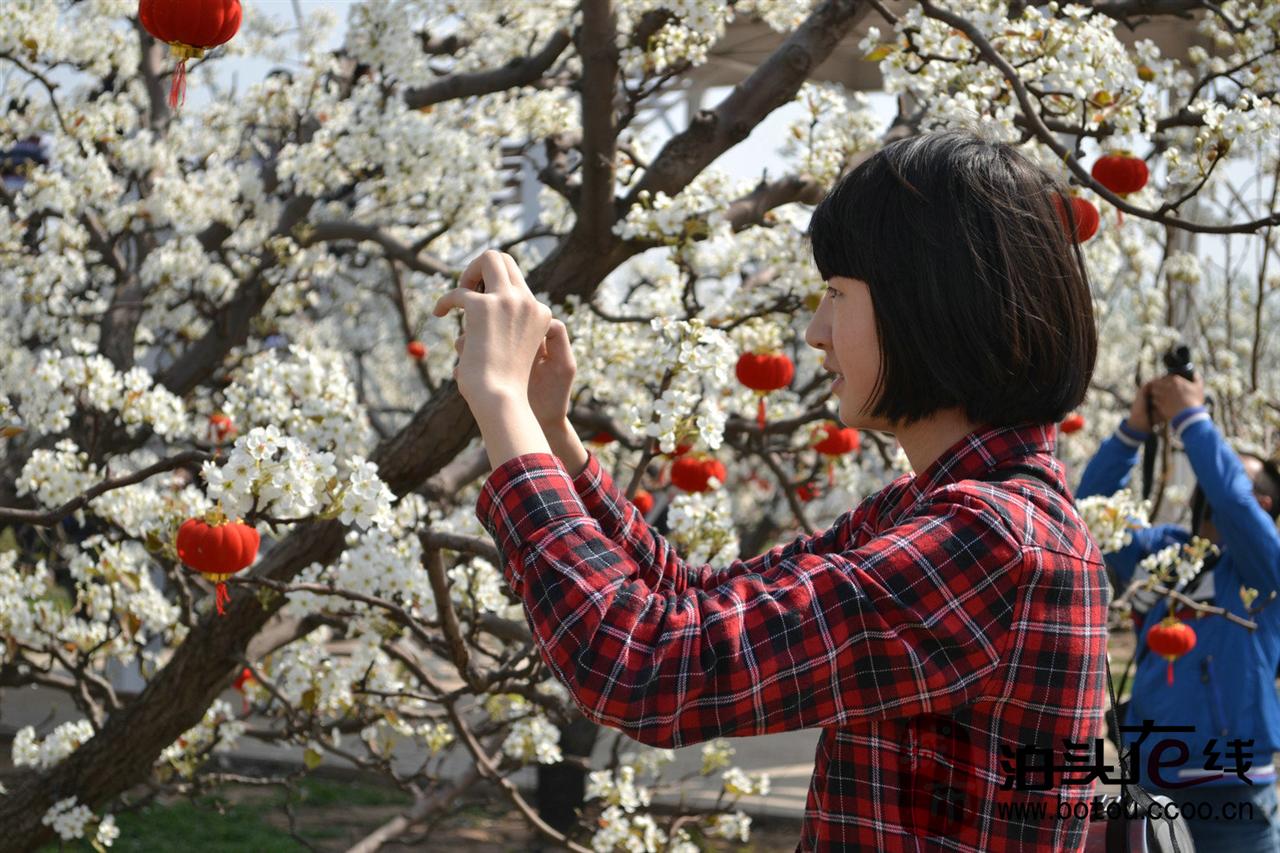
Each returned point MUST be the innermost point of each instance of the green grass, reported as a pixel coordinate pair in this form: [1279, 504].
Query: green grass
[213, 824]
[201, 827]
[324, 792]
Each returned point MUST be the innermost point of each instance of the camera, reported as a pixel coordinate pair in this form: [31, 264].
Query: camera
[1178, 360]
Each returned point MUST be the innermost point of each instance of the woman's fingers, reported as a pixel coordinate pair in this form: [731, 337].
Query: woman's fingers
[513, 273]
[557, 342]
[488, 273]
[456, 298]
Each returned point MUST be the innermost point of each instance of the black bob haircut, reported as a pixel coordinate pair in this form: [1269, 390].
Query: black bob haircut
[981, 299]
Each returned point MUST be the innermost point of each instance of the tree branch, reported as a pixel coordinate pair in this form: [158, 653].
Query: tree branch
[421, 808]
[336, 230]
[770, 86]
[433, 559]
[751, 208]
[519, 72]
[231, 325]
[49, 518]
[599, 52]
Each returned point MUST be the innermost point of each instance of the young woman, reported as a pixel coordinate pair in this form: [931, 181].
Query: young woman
[948, 634]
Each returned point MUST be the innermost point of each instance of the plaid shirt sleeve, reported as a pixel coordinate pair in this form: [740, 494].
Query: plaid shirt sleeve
[658, 565]
[911, 621]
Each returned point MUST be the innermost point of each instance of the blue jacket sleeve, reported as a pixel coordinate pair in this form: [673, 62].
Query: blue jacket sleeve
[1107, 473]
[1109, 470]
[1243, 525]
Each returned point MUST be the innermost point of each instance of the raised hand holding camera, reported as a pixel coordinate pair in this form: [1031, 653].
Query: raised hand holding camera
[1172, 394]
[506, 328]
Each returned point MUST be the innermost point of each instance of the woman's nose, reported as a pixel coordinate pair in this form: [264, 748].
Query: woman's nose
[814, 336]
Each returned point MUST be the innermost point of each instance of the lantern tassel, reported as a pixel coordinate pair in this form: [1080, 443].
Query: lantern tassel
[178, 88]
[760, 412]
[1169, 674]
[831, 473]
[222, 598]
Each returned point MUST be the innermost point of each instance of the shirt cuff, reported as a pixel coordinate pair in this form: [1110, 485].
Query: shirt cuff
[523, 496]
[1129, 435]
[1188, 416]
[597, 490]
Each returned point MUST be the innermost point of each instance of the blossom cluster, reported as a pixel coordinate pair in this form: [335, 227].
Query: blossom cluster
[702, 527]
[48, 386]
[70, 819]
[1111, 519]
[279, 475]
[624, 826]
[1177, 564]
[29, 751]
[217, 731]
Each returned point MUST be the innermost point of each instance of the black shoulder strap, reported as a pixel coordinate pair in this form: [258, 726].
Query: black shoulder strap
[1020, 470]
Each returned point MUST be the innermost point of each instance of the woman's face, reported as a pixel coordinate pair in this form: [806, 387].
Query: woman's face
[844, 328]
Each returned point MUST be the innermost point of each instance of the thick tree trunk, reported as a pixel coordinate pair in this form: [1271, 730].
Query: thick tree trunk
[562, 787]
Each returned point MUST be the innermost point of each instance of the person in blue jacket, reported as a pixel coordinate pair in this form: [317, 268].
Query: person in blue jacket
[1225, 686]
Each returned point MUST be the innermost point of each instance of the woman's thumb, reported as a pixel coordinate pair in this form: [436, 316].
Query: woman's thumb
[557, 341]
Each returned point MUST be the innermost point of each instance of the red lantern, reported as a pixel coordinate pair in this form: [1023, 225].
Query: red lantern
[1121, 172]
[1171, 639]
[603, 437]
[221, 427]
[190, 27]
[837, 442]
[1084, 214]
[764, 372]
[217, 551]
[242, 679]
[643, 501]
[690, 473]
[417, 350]
[681, 448]
[1073, 422]
[245, 676]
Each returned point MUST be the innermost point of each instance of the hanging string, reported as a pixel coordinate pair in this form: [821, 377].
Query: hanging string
[760, 412]
[178, 88]
[222, 598]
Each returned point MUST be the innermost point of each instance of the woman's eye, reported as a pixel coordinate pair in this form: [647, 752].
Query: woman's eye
[832, 292]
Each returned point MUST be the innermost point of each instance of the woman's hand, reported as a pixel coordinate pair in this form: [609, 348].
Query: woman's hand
[551, 380]
[1139, 418]
[506, 329]
[1173, 393]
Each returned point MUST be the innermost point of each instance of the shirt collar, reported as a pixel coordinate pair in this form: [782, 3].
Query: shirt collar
[980, 453]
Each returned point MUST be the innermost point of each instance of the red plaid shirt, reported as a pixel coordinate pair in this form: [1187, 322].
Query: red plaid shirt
[942, 618]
